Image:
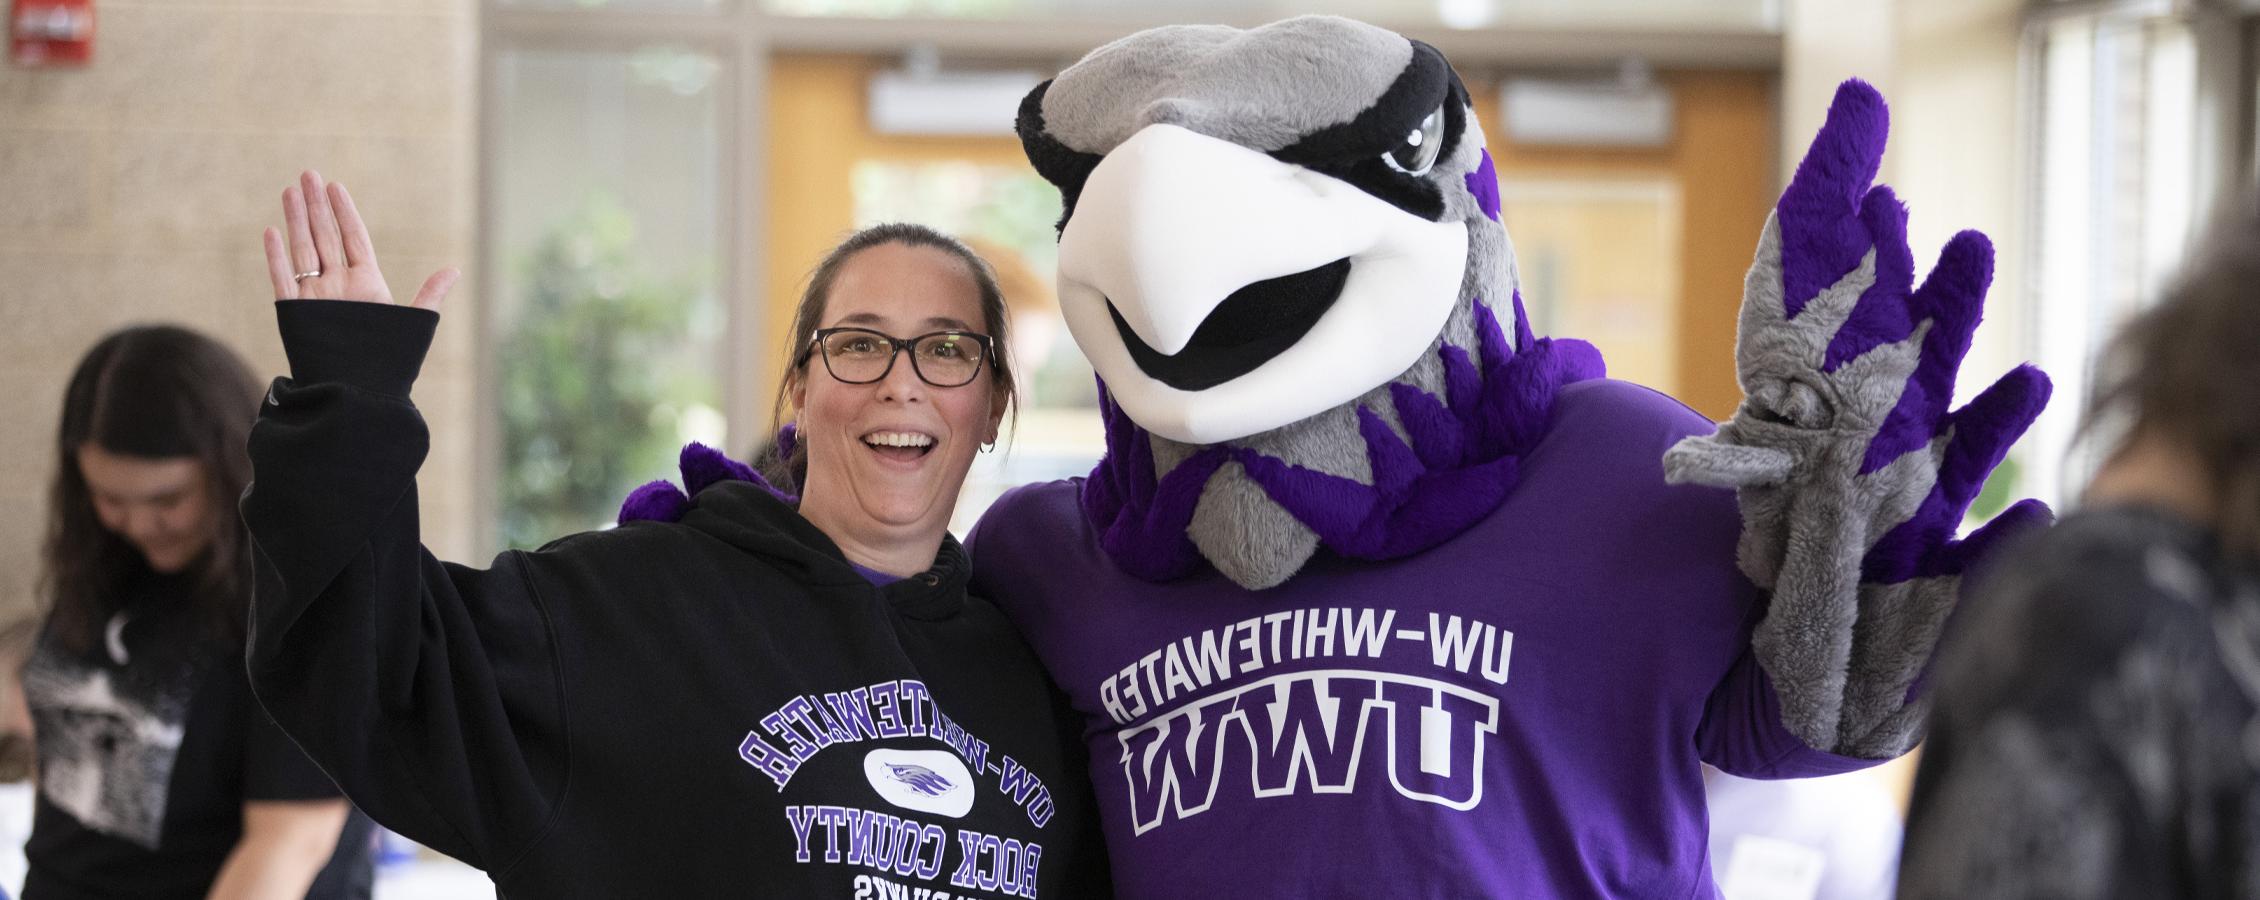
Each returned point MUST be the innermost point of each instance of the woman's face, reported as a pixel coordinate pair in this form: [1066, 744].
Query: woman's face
[860, 474]
[162, 506]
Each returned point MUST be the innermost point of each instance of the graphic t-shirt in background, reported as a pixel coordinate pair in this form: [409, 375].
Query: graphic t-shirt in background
[149, 746]
[2097, 733]
[1520, 711]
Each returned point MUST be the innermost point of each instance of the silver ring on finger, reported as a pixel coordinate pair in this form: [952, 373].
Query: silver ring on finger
[302, 276]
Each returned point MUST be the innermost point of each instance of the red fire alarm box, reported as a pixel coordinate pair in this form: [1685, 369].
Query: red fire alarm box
[51, 32]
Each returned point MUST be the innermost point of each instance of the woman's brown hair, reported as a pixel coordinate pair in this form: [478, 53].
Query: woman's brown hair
[2187, 371]
[786, 465]
[155, 392]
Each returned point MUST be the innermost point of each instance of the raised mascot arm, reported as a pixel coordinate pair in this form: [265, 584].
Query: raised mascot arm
[1851, 473]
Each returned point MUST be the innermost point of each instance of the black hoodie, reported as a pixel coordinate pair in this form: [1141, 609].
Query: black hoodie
[715, 707]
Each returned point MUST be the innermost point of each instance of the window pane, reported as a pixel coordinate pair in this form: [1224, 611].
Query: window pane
[2116, 202]
[607, 255]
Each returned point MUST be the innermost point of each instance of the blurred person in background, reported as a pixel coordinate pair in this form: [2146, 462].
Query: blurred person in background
[2095, 733]
[159, 775]
[737, 692]
[18, 795]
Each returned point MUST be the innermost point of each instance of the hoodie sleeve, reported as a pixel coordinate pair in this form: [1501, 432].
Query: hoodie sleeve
[430, 691]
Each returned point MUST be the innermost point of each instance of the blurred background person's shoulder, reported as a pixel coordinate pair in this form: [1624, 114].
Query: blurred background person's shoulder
[2097, 727]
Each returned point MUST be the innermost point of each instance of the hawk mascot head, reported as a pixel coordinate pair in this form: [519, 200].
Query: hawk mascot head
[1281, 250]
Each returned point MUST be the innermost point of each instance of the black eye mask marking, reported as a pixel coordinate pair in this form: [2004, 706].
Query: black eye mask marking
[1065, 168]
[1352, 150]
[1252, 325]
[1419, 151]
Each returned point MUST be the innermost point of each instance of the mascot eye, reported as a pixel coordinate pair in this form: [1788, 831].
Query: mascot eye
[1417, 153]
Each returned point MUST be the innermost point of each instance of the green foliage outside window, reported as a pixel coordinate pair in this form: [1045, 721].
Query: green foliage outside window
[1998, 491]
[597, 372]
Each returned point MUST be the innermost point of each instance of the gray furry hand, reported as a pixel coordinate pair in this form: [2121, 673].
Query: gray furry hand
[1850, 470]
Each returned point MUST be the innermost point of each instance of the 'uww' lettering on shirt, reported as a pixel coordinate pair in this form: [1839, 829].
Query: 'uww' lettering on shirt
[1312, 730]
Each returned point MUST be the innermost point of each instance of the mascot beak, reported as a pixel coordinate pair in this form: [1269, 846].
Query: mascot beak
[1173, 221]
[1221, 292]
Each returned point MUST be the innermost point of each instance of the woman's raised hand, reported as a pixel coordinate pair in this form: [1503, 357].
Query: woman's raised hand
[328, 255]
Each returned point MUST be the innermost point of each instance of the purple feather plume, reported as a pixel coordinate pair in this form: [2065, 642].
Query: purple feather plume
[1462, 460]
[702, 466]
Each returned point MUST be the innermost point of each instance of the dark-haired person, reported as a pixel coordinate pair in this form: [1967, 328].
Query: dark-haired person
[159, 776]
[2097, 732]
[766, 696]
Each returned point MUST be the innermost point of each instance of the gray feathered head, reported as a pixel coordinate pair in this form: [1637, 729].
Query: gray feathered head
[1271, 238]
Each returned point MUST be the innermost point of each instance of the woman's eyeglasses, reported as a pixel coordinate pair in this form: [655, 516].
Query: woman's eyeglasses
[862, 356]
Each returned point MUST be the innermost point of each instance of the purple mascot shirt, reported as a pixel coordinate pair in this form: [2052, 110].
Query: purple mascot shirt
[1519, 711]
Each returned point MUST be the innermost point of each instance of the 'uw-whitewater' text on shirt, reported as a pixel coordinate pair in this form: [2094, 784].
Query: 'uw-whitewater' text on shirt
[1520, 711]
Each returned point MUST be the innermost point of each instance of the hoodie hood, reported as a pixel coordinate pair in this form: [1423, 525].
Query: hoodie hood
[750, 516]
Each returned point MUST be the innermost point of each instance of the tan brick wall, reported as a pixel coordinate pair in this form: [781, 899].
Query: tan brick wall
[134, 190]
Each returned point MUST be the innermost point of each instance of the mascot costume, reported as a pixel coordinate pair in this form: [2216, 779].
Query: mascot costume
[1375, 591]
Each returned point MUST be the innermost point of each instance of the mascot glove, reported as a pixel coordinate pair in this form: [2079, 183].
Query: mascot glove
[1851, 473]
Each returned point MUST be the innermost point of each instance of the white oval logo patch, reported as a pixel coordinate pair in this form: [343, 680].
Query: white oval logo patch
[929, 781]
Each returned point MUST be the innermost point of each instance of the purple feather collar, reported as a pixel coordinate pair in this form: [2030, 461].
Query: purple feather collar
[1462, 461]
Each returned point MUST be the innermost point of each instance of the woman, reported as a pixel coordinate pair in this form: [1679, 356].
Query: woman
[758, 699]
[158, 774]
[2097, 732]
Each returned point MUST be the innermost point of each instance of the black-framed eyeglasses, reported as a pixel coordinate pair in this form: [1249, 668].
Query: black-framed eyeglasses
[862, 356]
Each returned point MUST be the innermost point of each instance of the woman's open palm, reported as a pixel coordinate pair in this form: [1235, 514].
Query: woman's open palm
[323, 251]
